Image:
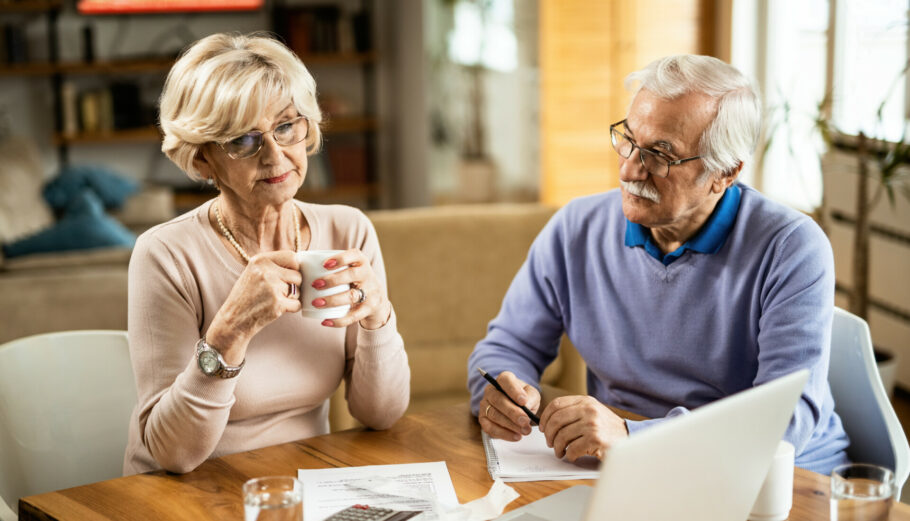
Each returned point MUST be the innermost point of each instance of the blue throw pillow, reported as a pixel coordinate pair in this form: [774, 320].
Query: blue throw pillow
[84, 226]
[112, 188]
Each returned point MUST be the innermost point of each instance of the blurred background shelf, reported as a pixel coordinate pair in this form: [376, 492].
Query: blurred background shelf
[132, 135]
[156, 64]
[186, 199]
[30, 6]
[151, 133]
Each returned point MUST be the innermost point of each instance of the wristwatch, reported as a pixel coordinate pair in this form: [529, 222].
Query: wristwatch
[211, 362]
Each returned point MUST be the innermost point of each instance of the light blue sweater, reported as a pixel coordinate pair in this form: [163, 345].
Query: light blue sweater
[661, 339]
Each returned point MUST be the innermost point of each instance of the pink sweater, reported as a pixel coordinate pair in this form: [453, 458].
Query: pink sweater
[180, 274]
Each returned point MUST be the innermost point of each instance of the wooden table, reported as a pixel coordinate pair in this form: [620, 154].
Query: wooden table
[213, 490]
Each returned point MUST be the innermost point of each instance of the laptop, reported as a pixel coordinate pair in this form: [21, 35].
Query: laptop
[708, 465]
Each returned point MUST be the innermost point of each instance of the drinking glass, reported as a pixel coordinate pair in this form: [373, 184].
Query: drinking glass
[861, 492]
[273, 498]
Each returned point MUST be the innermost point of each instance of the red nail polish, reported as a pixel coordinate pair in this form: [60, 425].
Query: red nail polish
[328, 323]
[318, 283]
[329, 264]
[318, 303]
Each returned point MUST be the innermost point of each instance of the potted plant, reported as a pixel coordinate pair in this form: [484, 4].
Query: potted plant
[883, 171]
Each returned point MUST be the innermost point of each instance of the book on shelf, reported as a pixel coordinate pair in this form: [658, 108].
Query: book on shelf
[348, 162]
[115, 107]
[69, 108]
[15, 43]
[322, 29]
[127, 105]
[96, 111]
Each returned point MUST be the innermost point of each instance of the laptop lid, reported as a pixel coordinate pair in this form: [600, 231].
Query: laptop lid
[707, 465]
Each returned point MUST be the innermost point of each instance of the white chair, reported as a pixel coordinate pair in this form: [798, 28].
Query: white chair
[65, 404]
[876, 435]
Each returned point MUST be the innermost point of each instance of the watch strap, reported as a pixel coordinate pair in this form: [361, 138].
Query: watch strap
[223, 370]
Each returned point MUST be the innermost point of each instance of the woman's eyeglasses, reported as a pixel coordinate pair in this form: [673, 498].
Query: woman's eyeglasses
[285, 134]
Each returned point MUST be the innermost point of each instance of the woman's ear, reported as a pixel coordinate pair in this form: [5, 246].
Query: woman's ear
[202, 165]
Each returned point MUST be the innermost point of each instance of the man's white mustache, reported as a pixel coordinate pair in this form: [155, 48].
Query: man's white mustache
[641, 189]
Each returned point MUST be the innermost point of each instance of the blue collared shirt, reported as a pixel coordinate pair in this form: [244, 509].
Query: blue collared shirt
[709, 239]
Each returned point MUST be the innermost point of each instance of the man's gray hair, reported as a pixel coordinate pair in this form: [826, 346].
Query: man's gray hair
[733, 134]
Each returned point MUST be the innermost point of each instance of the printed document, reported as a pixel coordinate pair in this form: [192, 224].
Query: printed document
[529, 459]
[426, 487]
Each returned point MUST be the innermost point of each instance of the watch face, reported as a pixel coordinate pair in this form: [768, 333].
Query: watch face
[208, 362]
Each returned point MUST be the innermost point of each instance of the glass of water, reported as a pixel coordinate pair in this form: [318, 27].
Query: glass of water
[861, 492]
[273, 498]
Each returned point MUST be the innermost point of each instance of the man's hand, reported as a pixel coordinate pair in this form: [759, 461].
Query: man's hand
[499, 417]
[578, 426]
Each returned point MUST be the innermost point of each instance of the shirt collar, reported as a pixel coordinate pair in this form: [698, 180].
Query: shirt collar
[709, 239]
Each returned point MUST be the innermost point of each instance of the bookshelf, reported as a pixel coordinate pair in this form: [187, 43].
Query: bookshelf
[155, 64]
[30, 6]
[344, 171]
[334, 43]
[186, 199]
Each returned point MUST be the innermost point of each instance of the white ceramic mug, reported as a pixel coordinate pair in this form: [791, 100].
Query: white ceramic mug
[776, 495]
[311, 267]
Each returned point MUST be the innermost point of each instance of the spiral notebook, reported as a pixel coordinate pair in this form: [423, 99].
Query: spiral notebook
[529, 459]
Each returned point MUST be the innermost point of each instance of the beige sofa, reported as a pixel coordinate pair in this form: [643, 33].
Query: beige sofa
[82, 289]
[448, 269]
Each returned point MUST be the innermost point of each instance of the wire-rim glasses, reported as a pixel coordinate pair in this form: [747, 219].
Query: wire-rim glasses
[653, 161]
[285, 134]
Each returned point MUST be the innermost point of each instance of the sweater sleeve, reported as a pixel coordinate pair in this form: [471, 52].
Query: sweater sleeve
[182, 413]
[794, 327]
[524, 336]
[377, 376]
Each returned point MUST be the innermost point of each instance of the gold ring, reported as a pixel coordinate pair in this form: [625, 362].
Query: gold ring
[486, 411]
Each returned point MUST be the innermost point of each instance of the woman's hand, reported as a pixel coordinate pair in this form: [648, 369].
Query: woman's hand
[260, 295]
[369, 304]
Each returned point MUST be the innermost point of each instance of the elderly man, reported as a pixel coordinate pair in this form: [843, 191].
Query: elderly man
[680, 288]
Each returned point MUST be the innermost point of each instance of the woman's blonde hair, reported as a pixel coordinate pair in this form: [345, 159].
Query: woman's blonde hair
[222, 85]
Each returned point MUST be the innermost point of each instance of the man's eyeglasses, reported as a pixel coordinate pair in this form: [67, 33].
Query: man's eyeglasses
[286, 134]
[653, 161]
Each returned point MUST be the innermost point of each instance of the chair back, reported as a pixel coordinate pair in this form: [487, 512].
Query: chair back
[65, 404]
[860, 399]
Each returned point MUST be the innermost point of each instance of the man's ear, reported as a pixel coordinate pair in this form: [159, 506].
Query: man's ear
[726, 178]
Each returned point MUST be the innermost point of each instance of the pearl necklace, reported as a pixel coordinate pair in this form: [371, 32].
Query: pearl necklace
[230, 236]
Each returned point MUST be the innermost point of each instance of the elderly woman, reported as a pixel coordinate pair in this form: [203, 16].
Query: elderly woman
[222, 280]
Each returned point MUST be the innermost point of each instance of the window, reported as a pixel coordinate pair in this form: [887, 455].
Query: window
[789, 53]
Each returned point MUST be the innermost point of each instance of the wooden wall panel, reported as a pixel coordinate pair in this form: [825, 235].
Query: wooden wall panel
[586, 50]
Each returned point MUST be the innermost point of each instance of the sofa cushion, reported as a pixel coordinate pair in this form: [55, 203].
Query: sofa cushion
[65, 260]
[40, 301]
[448, 269]
[111, 188]
[85, 225]
[23, 211]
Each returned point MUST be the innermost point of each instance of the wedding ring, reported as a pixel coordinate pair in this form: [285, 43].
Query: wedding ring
[292, 290]
[362, 297]
[486, 411]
